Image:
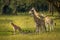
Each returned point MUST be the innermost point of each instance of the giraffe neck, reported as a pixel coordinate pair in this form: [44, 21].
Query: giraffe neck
[35, 13]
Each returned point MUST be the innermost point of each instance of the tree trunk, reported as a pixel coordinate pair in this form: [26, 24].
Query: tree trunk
[51, 8]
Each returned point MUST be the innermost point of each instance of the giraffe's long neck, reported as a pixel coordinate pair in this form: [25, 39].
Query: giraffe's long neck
[35, 13]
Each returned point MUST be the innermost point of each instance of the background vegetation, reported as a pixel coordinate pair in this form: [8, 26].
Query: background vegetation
[15, 6]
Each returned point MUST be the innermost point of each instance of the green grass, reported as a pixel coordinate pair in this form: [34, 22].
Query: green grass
[27, 24]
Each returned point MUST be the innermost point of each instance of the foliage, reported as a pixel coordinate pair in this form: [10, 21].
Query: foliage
[23, 5]
[15, 6]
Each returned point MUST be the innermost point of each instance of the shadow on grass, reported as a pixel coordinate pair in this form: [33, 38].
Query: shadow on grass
[57, 30]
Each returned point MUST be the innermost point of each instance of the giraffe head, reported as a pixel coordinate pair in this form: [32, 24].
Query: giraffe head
[32, 11]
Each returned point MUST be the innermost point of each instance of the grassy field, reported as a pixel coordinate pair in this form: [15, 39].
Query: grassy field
[27, 24]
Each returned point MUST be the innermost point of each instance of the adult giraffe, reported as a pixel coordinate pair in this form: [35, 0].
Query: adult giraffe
[40, 23]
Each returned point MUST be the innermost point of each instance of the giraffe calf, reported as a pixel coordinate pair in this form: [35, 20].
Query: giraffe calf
[15, 27]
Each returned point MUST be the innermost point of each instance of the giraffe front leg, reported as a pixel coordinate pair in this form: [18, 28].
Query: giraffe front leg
[37, 29]
[46, 26]
[51, 28]
[14, 31]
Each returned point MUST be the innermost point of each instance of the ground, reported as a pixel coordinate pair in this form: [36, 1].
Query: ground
[26, 22]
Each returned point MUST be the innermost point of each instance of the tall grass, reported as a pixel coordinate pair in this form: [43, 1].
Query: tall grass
[27, 24]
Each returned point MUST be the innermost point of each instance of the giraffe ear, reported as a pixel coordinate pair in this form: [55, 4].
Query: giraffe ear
[33, 8]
